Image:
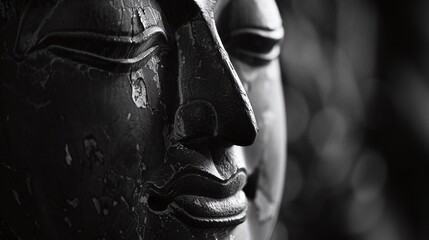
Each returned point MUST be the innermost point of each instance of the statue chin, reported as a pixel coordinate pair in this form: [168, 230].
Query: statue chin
[144, 119]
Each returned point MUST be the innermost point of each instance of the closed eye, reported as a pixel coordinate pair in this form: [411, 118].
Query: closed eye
[254, 46]
[104, 51]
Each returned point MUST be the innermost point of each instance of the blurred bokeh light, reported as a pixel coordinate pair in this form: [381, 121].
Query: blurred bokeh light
[357, 95]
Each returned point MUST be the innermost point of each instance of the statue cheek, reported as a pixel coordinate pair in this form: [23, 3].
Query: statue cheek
[263, 86]
[266, 158]
[83, 135]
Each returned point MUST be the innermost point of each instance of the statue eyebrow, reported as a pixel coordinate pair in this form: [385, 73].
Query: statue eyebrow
[275, 35]
[137, 39]
[105, 51]
[38, 24]
[250, 14]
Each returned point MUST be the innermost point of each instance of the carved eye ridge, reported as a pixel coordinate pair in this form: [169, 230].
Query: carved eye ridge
[254, 46]
[103, 51]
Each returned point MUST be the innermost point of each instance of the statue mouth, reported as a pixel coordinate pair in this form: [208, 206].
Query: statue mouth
[201, 200]
[206, 212]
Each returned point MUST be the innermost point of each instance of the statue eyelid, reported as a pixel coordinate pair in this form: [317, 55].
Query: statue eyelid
[104, 50]
[256, 46]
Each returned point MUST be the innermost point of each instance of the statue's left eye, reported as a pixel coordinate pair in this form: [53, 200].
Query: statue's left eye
[254, 46]
[251, 30]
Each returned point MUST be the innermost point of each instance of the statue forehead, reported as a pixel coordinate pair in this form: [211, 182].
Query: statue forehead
[109, 15]
[205, 5]
[40, 18]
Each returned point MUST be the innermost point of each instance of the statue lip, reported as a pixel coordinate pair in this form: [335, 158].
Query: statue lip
[203, 212]
[202, 200]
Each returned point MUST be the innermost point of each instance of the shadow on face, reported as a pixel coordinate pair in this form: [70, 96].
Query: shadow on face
[134, 119]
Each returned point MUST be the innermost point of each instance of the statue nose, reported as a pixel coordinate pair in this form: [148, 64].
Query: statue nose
[213, 102]
[196, 119]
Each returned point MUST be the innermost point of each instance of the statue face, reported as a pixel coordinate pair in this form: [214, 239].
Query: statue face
[130, 119]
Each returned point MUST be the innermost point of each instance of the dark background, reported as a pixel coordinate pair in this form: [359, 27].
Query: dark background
[357, 94]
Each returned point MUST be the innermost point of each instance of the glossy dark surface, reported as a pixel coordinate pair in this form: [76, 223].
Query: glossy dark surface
[128, 120]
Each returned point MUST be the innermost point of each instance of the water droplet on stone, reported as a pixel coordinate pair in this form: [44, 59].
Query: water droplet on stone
[105, 212]
[96, 204]
[67, 220]
[15, 194]
[74, 203]
[68, 156]
[91, 148]
[143, 166]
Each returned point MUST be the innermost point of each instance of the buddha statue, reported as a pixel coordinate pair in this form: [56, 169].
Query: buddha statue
[140, 119]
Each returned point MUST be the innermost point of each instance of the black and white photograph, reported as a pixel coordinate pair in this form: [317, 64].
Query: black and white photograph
[214, 120]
